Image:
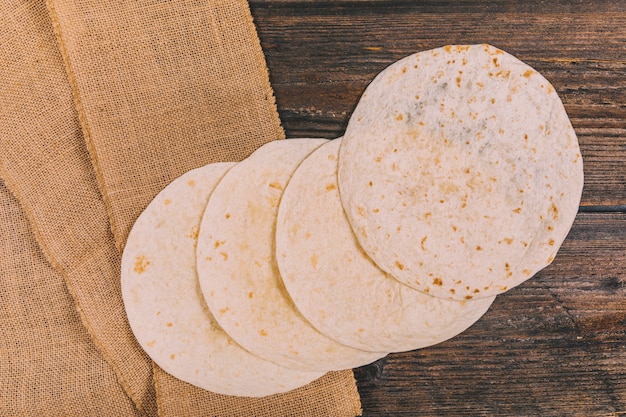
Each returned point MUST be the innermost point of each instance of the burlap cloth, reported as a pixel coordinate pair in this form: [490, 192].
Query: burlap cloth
[93, 124]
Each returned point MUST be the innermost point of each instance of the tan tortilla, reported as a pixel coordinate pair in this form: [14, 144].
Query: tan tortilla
[237, 266]
[166, 310]
[337, 287]
[460, 171]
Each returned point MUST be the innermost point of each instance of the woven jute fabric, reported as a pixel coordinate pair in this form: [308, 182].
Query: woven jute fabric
[140, 93]
[48, 364]
[163, 87]
[334, 394]
[45, 163]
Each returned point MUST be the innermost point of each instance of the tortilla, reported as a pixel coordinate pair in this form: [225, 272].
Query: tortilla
[237, 267]
[460, 172]
[166, 310]
[337, 287]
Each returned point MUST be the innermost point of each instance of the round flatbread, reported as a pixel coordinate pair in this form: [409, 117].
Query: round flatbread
[165, 307]
[337, 287]
[460, 172]
[237, 266]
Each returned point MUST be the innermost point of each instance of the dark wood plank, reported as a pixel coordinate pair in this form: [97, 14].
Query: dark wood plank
[554, 346]
[321, 56]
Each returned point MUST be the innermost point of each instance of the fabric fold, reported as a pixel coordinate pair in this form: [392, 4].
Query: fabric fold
[45, 164]
[48, 363]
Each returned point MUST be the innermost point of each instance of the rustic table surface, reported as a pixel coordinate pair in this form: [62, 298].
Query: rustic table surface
[556, 345]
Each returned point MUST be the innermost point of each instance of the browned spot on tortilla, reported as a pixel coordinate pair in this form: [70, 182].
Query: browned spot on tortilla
[478, 247]
[330, 187]
[262, 332]
[167, 202]
[447, 48]
[399, 266]
[517, 210]
[193, 234]
[378, 159]
[417, 97]
[169, 324]
[224, 255]
[376, 210]
[454, 228]
[191, 183]
[550, 228]
[314, 259]
[422, 244]
[224, 310]
[172, 356]
[526, 272]
[227, 215]
[469, 297]
[554, 211]
[438, 281]
[551, 242]
[361, 211]
[218, 243]
[275, 185]
[151, 343]
[250, 294]
[458, 81]
[550, 259]
[508, 240]
[493, 100]
[141, 263]
[399, 117]
[452, 291]
[371, 184]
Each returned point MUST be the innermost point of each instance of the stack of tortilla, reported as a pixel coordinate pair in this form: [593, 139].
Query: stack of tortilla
[458, 178]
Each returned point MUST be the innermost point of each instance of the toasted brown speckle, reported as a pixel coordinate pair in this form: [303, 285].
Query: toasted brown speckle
[141, 263]
[275, 185]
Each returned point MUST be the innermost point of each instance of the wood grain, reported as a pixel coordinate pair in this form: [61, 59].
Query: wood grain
[555, 345]
[321, 57]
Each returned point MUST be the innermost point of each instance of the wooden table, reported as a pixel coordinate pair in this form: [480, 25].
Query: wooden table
[556, 345]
